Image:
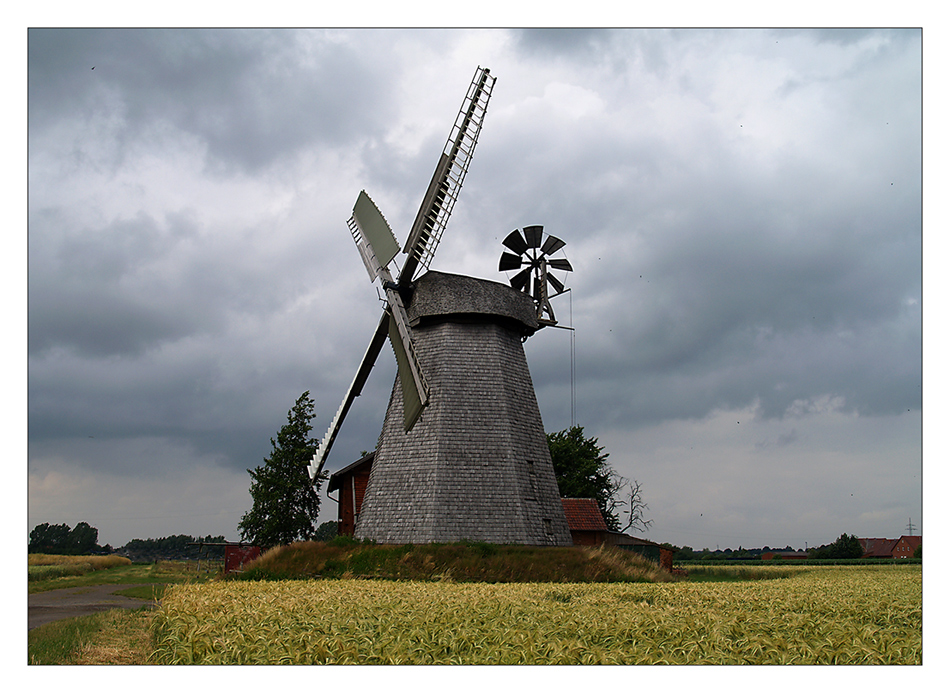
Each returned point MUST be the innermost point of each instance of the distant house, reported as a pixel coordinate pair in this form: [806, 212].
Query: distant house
[351, 482]
[878, 548]
[890, 548]
[784, 555]
[905, 546]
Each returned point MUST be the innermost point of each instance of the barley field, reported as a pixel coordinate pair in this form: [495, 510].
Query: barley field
[43, 566]
[824, 615]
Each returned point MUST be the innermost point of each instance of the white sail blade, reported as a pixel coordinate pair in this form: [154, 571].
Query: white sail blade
[415, 390]
[372, 235]
[356, 387]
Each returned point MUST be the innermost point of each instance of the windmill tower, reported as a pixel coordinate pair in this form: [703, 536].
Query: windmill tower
[462, 454]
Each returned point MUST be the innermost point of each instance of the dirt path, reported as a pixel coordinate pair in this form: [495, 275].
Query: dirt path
[45, 607]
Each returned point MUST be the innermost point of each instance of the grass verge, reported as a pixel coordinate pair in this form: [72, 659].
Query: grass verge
[43, 566]
[163, 572]
[118, 636]
[463, 562]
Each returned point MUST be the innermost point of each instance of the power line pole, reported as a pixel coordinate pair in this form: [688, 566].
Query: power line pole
[910, 527]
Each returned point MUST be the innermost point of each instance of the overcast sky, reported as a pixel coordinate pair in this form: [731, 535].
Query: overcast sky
[742, 209]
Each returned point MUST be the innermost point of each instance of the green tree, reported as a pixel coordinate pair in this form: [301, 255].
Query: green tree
[286, 503]
[83, 538]
[581, 469]
[47, 538]
[845, 546]
[60, 539]
[327, 530]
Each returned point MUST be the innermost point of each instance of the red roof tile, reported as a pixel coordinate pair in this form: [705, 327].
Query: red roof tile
[583, 515]
[877, 548]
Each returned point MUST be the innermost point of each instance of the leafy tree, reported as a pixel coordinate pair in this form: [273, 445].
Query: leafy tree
[175, 547]
[844, 546]
[83, 538]
[60, 539]
[47, 538]
[327, 530]
[581, 469]
[685, 553]
[286, 502]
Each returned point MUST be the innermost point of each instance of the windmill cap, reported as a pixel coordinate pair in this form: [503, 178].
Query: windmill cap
[440, 297]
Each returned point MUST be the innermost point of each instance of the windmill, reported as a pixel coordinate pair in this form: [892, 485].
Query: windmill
[462, 453]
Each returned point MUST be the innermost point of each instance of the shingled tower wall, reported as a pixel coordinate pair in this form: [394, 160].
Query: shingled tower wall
[476, 465]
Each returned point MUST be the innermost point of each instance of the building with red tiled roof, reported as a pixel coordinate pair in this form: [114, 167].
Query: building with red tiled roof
[585, 521]
[588, 528]
[877, 548]
[905, 546]
[890, 548]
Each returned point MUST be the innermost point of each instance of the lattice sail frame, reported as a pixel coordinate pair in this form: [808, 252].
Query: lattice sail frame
[447, 179]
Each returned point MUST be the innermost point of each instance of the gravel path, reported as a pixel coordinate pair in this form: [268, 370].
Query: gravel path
[54, 605]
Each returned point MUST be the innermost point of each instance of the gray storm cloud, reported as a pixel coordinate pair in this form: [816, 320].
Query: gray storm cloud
[742, 210]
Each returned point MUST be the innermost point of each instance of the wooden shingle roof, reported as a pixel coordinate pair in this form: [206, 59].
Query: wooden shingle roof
[583, 515]
[336, 479]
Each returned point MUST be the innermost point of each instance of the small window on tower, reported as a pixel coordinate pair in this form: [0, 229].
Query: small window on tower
[548, 527]
[533, 478]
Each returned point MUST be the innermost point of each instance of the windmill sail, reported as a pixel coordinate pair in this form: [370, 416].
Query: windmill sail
[372, 236]
[356, 387]
[415, 392]
[433, 215]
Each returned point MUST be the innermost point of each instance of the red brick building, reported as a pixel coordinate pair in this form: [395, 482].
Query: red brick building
[905, 546]
[890, 548]
[236, 555]
[585, 521]
[877, 547]
[351, 483]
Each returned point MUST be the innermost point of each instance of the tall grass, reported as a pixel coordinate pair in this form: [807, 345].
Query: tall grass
[464, 562]
[98, 562]
[118, 636]
[46, 567]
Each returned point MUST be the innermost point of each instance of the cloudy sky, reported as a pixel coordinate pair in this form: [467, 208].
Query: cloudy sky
[742, 210]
